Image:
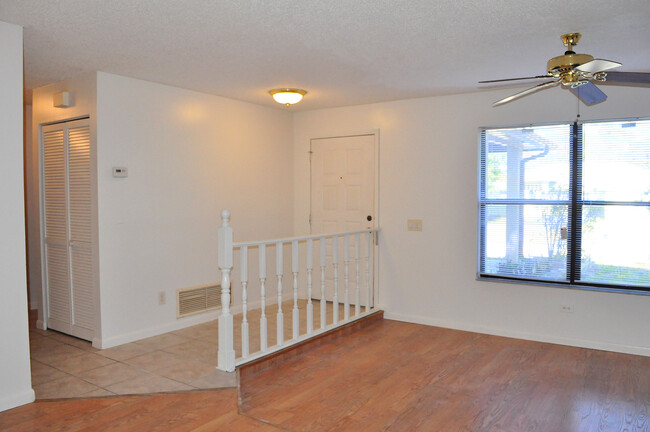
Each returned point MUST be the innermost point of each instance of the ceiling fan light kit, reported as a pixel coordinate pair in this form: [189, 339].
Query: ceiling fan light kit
[578, 72]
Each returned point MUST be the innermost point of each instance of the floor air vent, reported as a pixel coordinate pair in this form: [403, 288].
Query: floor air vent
[199, 299]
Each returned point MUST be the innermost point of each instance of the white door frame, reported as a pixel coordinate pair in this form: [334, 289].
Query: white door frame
[376, 219]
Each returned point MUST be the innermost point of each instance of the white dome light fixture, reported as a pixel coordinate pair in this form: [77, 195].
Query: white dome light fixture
[287, 96]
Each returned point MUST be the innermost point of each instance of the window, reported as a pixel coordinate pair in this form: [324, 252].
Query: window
[566, 203]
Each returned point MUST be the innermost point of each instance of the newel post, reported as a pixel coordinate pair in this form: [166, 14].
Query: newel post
[226, 354]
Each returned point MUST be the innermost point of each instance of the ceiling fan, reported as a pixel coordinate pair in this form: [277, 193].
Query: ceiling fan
[578, 72]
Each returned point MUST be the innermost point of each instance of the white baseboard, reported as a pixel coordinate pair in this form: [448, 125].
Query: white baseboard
[40, 324]
[17, 399]
[559, 340]
[179, 324]
[33, 305]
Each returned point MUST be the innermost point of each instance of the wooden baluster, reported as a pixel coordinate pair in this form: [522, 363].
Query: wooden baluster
[244, 299]
[262, 270]
[323, 261]
[279, 271]
[310, 306]
[335, 261]
[226, 354]
[294, 269]
[346, 259]
[357, 304]
[369, 295]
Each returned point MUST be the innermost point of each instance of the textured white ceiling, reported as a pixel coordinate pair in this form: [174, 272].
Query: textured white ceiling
[341, 52]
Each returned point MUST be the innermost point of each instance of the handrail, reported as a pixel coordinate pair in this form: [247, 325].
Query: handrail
[302, 238]
[349, 276]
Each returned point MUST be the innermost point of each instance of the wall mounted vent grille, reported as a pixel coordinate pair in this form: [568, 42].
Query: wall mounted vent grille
[199, 299]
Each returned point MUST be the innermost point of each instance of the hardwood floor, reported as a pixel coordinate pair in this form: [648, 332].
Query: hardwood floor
[390, 376]
[214, 410]
[404, 377]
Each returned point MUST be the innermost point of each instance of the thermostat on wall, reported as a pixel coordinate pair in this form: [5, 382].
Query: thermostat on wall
[120, 172]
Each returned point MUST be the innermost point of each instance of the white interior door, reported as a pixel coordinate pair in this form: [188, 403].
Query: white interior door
[67, 228]
[342, 199]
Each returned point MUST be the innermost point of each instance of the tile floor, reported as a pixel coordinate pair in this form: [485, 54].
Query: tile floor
[67, 367]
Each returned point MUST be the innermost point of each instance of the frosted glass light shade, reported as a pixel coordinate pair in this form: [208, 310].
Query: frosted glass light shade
[287, 96]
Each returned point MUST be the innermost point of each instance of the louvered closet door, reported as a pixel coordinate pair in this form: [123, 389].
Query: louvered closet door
[55, 210]
[80, 225]
[68, 221]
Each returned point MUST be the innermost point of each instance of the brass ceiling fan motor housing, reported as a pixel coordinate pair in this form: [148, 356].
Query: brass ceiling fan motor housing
[577, 71]
[563, 66]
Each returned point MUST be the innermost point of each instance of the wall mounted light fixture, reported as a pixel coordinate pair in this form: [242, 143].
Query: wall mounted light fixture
[62, 100]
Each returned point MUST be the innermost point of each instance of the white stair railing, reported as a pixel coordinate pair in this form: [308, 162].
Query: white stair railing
[227, 360]
[226, 355]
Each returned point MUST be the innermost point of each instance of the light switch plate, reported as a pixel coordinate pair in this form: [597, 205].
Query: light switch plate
[414, 224]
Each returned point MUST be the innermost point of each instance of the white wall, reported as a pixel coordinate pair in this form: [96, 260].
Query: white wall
[32, 219]
[189, 155]
[15, 379]
[428, 170]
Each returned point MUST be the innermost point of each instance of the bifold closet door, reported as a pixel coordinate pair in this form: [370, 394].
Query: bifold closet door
[67, 214]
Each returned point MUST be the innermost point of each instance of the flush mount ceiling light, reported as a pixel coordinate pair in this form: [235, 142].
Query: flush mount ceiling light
[287, 96]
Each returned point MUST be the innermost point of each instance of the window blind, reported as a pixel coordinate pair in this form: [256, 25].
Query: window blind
[566, 203]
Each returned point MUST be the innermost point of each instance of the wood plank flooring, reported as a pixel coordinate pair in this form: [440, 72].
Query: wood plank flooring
[404, 377]
[390, 376]
[202, 411]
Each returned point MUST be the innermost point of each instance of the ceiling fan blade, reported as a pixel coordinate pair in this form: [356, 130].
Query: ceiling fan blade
[598, 65]
[589, 93]
[628, 77]
[526, 92]
[516, 79]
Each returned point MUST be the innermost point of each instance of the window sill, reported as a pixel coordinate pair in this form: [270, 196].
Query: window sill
[604, 288]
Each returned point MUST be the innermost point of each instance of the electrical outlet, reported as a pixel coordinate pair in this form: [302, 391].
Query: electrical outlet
[566, 308]
[161, 298]
[414, 224]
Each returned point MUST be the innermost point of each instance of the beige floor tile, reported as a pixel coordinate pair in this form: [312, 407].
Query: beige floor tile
[61, 337]
[161, 341]
[215, 379]
[176, 361]
[196, 349]
[42, 373]
[33, 335]
[98, 393]
[124, 352]
[41, 332]
[63, 388]
[186, 371]
[55, 351]
[75, 342]
[85, 345]
[86, 361]
[111, 374]
[193, 332]
[148, 384]
[208, 331]
[156, 360]
[43, 343]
